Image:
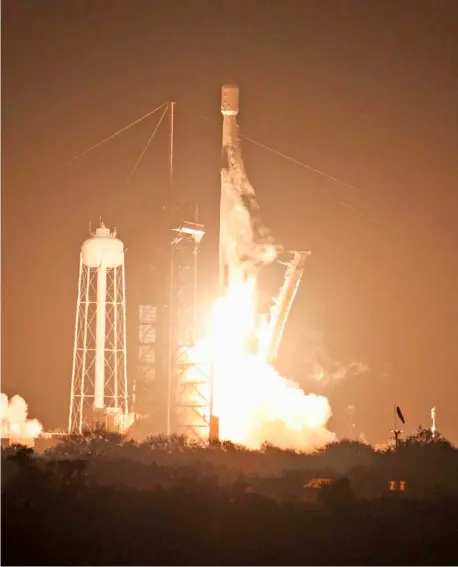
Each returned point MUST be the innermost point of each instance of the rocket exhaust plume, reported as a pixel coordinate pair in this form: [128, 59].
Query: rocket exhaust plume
[254, 404]
[15, 425]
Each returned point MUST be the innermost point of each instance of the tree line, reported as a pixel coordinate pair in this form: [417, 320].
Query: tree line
[104, 499]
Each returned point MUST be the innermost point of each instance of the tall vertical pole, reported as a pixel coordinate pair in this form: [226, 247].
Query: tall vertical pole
[75, 347]
[124, 334]
[170, 349]
[99, 394]
[83, 366]
[194, 300]
[433, 418]
[172, 119]
[170, 203]
[115, 331]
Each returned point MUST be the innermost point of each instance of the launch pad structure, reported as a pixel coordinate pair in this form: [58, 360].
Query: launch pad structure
[191, 380]
[167, 350]
[190, 377]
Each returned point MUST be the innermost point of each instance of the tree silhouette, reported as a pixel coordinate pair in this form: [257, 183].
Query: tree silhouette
[173, 501]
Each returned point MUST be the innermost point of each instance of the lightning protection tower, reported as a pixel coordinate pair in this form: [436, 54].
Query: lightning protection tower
[99, 378]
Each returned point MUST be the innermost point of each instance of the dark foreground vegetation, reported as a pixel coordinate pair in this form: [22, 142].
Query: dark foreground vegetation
[101, 499]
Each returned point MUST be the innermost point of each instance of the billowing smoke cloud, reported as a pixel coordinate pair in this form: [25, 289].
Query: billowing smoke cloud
[245, 243]
[257, 405]
[253, 402]
[320, 367]
[15, 425]
[337, 371]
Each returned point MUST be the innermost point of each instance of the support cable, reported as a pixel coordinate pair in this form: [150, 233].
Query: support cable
[300, 163]
[282, 155]
[291, 159]
[340, 201]
[120, 131]
[140, 157]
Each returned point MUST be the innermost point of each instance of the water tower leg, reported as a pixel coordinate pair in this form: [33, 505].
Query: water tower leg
[99, 394]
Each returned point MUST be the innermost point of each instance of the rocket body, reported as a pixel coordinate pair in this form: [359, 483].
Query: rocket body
[244, 243]
[229, 110]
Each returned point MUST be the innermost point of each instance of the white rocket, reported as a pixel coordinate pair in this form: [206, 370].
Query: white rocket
[244, 243]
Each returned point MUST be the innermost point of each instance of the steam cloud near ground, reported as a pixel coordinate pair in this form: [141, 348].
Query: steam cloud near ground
[15, 425]
[269, 407]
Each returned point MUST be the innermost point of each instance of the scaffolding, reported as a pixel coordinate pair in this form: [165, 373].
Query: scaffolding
[145, 382]
[149, 391]
[189, 376]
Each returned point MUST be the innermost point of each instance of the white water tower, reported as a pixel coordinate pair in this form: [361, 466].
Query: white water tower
[99, 377]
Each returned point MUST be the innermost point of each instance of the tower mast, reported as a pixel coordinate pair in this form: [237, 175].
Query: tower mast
[187, 378]
[172, 120]
[170, 218]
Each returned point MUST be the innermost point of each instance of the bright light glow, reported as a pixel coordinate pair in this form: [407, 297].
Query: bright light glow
[254, 404]
[433, 418]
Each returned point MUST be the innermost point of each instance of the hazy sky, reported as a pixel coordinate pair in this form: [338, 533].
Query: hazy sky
[365, 91]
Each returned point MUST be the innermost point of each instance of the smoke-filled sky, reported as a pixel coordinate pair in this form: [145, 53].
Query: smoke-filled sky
[364, 91]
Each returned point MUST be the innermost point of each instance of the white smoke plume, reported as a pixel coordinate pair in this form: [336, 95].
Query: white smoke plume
[337, 371]
[254, 403]
[322, 368]
[15, 425]
[246, 243]
[257, 405]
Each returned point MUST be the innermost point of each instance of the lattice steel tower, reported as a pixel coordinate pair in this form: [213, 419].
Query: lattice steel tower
[99, 392]
[190, 376]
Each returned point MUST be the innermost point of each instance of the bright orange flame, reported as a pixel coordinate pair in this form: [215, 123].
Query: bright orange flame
[254, 404]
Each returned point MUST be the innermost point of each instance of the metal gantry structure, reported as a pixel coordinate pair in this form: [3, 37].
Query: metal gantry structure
[146, 358]
[189, 375]
[166, 341]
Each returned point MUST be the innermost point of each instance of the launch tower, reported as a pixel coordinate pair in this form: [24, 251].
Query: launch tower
[190, 376]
